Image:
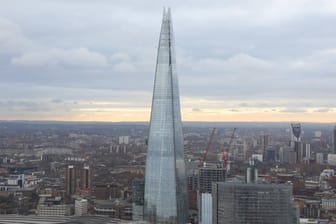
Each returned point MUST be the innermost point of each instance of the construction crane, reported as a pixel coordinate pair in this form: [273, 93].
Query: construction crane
[225, 153]
[202, 160]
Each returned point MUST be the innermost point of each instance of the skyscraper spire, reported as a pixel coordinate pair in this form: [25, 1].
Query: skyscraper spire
[165, 181]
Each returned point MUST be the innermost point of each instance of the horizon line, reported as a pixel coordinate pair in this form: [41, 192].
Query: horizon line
[94, 121]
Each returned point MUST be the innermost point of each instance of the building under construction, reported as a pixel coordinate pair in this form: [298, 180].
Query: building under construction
[208, 174]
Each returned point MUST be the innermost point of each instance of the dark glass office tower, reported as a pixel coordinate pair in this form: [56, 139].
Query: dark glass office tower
[165, 181]
[252, 203]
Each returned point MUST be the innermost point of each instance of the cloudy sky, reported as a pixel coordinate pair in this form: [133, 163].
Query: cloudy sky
[84, 60]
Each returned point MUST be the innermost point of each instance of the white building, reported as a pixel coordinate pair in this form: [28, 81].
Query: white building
[124, 140]
[312, 184]
[258, 157]
[332, 159]
[313, 221]
[52, 210]
[205, 204]
[325, 176]
[319, 158]
[307, 152]
[16, 180]
[81, 207]
[52, 206]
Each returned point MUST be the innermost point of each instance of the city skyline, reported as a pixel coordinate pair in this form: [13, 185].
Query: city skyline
[85, 61]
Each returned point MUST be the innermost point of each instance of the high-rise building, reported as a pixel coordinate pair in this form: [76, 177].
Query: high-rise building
[78, 180]
[70, 180]
[296, 143]
[207, 175]
[165, 180]
[251, 173]
[138, 186]
[319, 158]
[205, 208]
[264, 140]
[253, 203]
[86, 180]
[287, 155]
[296, 132]
[124, 140]
[306, 152]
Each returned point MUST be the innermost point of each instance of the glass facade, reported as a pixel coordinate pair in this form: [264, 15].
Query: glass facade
[241, 203]
[205, 216]
[165, 181]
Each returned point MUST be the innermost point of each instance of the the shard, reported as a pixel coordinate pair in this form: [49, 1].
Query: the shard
[165, 181]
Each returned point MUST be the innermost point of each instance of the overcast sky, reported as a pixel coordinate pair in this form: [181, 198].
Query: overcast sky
[84, 60]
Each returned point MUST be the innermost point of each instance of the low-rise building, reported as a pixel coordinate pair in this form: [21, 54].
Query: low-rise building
[52, 206]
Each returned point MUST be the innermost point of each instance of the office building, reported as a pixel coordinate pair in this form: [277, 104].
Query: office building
[207, 175]
[298, 149]
[319, 158]
[253, 203]
[86, 180]
[52, 206]
[81, 207]
[138, 187]
[251, 173]
[296, 144]
[306, 152]
[17, 180]
[70, 180]
[124, 140]
[331, 159]
[31, 219]
[78, 180]
[296, 132]
[264, 141]
[205, 208]
[53, 210]
[165, 198]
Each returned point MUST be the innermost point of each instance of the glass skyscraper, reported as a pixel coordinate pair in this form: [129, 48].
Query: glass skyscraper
[165, 182]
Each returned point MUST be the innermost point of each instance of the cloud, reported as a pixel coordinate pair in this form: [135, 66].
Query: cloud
[243, 105]
[11, 38]
[23, 105]
[124, 67]
[117, 57]
[321, 61]
[196, 110]
[323, 110]
[56, 101]
[239, 62]
[56, 56]
[293, 110]
[250, 56]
